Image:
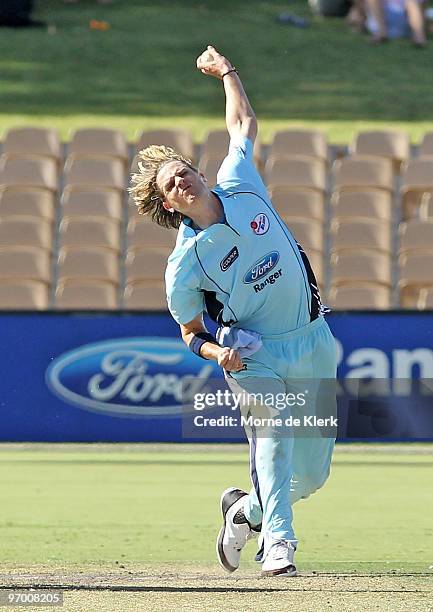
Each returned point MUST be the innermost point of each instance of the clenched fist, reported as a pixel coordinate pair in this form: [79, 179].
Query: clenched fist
[213, 63]
[230, 360]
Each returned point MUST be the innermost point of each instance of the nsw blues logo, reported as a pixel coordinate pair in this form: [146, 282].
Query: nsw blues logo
[130, 376]
[260, 224]
[262, 267]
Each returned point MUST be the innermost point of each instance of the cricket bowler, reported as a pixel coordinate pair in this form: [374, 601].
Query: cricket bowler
[237, 261]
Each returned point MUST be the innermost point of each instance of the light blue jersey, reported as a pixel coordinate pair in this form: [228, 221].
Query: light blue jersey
[247, 270]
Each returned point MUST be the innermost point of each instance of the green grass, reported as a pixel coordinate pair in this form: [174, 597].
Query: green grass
[159, 504]
[140, 73]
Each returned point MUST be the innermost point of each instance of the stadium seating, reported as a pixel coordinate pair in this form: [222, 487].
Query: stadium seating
[368, 204]
[142, 233]
[416, 235]
[360, 296]
[426, 146]
[23, 295]
[362, 172]
[24, 141]
[134, 164]
[17, 202]
[307, 232]
[90, 231]
[426, 206]
[298, 202]
[392, 145]
[25, 263]
[425, 299]
[417, 179]
[316, 260]
[180, 140]
[146, 264]
[100, 143]
[296, 172]
[145, 295]
[92, 203]
[364, 248]
[107, 173]
[416, 274]
[88, 263]
[216, 145]
[82, 295]
[209, 166]
[349, 234]
[349, 267]
[26, 231]
[310, 143]
[37, 172]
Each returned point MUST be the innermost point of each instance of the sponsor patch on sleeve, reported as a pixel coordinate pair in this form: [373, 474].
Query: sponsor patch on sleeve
[227, 261]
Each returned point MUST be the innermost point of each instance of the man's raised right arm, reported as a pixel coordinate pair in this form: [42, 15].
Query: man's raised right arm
[240, 117]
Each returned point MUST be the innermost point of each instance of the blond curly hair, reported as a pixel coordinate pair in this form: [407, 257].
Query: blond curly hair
[144, 190]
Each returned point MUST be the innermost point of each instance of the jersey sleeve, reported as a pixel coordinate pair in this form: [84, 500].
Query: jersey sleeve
[184, 297]
[238, 167]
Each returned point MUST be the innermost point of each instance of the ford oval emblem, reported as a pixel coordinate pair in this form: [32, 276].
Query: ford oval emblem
[130, 376]
[262, 266]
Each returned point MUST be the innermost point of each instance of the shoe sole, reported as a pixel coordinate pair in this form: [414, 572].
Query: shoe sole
[284, 572]
[222, 559]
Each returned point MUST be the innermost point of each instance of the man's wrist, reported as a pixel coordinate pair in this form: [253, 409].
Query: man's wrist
[198, 340]
[231, 70]
[225, 67]
[210, 351]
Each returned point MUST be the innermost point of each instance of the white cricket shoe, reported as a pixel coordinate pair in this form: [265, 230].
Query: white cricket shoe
[279, 560]
[236, 530]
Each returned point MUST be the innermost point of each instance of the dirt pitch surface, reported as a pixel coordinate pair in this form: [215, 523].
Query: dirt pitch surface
[159, 588]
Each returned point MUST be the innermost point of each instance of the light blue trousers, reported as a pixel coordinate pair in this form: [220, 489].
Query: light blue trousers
[287, 462]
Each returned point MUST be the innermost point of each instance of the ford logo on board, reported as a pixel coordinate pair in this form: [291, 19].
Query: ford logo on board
[130, 376]
[262, 267]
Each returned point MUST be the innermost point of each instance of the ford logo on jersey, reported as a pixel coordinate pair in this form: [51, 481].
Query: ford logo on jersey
[130, 376]
[262, 267]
